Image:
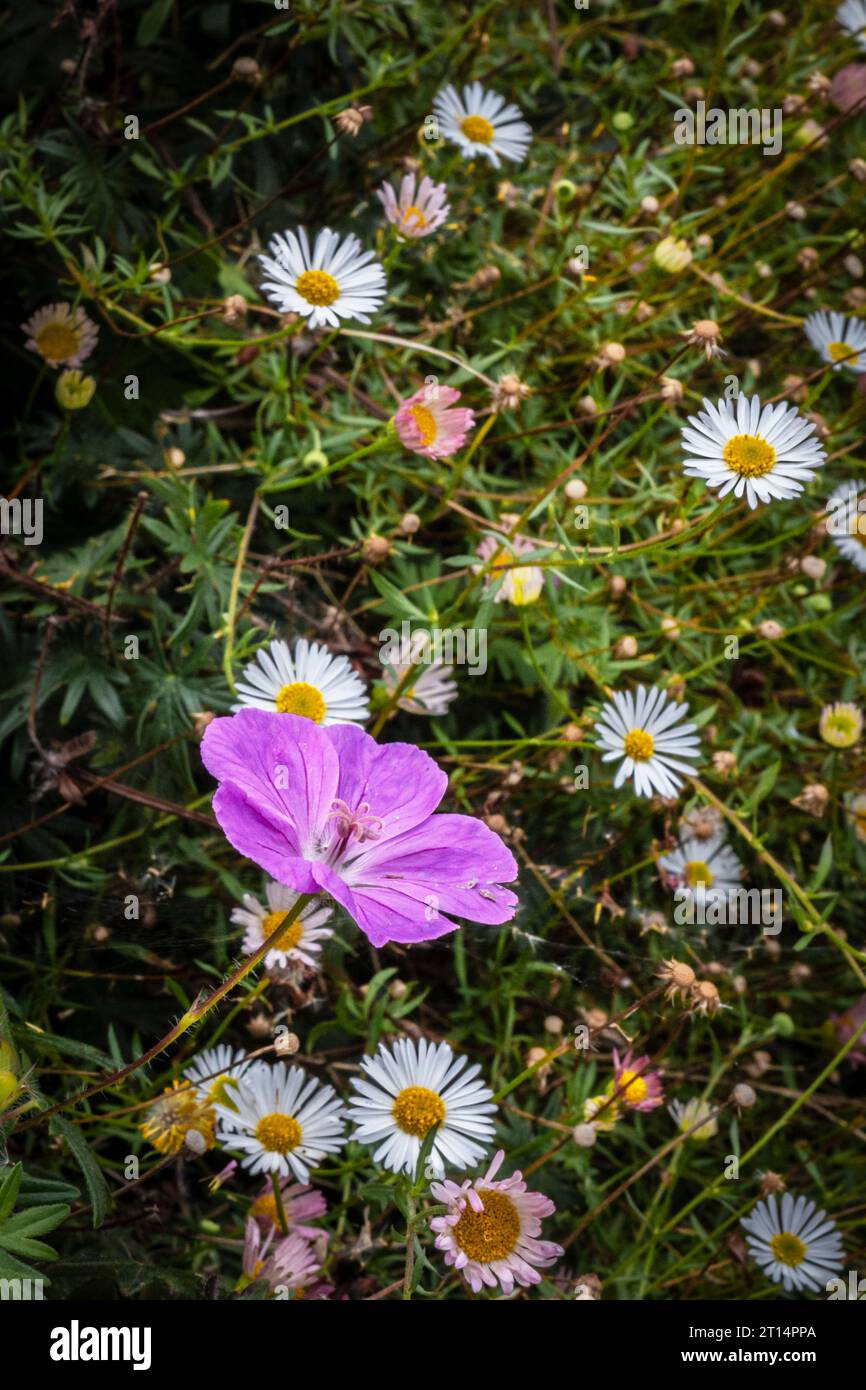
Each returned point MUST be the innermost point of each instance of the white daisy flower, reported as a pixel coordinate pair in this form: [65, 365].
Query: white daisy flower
[281, 1121]
[794, 1242]
[335, 280]
[303, 940]
[763, 453]
[846, 522]
[710, 862]
[430, 691]
[413, 1087]
[309, 682]
[215, 1071]
[640, 730]
[852, 17]
[695, 1118]
[482, 122]
[61, 334]
[839, 340]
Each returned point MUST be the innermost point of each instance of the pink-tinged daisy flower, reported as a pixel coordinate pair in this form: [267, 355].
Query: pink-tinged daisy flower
[420, 208]
[845, 1026]
[490, 1231]
[428, 424]
[301, 1204]
[521, 584]
[62, 336]
[290, 1264]
[328, 810]
[634, 1084]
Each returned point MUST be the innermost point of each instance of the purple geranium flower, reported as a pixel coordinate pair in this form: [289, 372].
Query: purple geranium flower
[331, 810]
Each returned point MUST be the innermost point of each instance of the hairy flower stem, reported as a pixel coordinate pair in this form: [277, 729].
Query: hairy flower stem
[194, 1014]
[410, 1245]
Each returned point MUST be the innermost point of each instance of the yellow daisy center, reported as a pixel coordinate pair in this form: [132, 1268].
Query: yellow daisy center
[788, 1249]
[631, 1087]
[841, 352]
[57, 341]
[303, 699]
[413, 214]
[416, 1110]
[638, 744]
[266, 1207]
[478, 129]
[696, 871]
[491, 1234]
[749, 455]
[274, 921]
[317, 287]
[278, 1134]
[426, 423]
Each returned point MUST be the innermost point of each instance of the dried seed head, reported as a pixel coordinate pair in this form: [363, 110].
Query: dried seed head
[553, 1025]
[706, 335]
[234, 310]
[350, 121]
[857, 170]
[617, 585]
[671, 629]
[772, 1182]
[587, 1288]
[679, 977]
[649, 205]
[483, 278]
[376, 549]
[795, 211]
[575, 489]
[286, 1044]
[813, 799]
[743, 1096]
[409, 523]
[770, 630]
[587, 406]
[509, 391]
[246, 70]
[813, 566]
[200, 721]
[625, 648]
[705, 997]
[672, 390]
[682, 67]
[610, 355]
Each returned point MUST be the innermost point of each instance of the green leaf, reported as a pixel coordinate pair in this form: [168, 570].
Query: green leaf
[152, 21]
[97, 1187]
